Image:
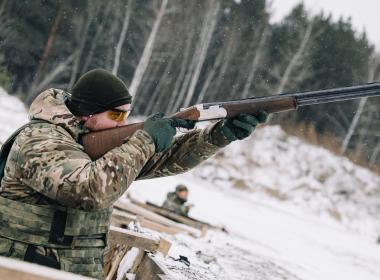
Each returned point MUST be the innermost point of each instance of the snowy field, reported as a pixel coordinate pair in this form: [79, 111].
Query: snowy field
[266, 240]
[293, 210]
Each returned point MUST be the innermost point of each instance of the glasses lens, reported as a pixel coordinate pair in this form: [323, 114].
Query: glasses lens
[118, 116]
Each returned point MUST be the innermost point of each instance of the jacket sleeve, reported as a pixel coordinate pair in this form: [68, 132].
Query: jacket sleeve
[57, 167]
[187, 151]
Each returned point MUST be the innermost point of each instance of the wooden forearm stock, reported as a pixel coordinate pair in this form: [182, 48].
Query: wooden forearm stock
[97, 143]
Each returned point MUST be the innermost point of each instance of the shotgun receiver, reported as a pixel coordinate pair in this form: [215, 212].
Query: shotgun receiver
[97, 143]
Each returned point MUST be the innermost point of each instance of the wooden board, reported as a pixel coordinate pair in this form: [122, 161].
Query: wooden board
[126, 205]
[173, 216]
[121, 218]
[151, 269]
[12, 269]
[138, 240]
[157, 226]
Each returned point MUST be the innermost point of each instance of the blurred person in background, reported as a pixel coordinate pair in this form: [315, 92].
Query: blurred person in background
[176, 201]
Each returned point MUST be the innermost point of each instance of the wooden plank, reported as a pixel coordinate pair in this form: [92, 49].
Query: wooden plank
[157, 226]
[12, 269]
[132, 239]
[173, 216]
[164, 246]
[138, 240]
[122, 218]
[126, 205]
[151, 269]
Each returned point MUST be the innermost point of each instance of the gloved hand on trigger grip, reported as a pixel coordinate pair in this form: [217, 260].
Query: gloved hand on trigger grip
[162, 130]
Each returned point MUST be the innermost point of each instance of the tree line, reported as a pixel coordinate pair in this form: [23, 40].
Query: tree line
[176, 53]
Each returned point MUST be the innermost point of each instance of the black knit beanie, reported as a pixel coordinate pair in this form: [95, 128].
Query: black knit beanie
[97, 91]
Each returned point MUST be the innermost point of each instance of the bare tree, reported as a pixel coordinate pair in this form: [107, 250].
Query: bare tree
[57, 70]
[46, 52]
[95, 39]
[296, 59]
[255, 62]
[207, 31]
[373, 65]
[210, 76]
[91, 13]
[375, 154]
[164, 79]
[175, 100]
[123, 34]
[146, 55]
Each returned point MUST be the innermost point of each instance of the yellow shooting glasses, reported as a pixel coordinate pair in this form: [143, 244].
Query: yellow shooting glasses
[118, 115]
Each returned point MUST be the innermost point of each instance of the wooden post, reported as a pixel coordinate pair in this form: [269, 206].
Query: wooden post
[150, 269]
[157, 226]
[116, 262]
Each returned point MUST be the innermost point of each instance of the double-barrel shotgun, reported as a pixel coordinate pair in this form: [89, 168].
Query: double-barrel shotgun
[97, 143]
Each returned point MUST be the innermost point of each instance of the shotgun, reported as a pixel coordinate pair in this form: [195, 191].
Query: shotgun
[97, 143]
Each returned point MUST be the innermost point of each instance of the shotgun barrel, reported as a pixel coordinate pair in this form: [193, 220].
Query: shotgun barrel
[97, 143]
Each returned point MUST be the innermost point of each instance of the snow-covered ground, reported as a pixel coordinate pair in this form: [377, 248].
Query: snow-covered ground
[293, 210]
[12, 114]
[266, 240]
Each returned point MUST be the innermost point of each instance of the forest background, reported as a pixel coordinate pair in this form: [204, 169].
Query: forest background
[173, 54]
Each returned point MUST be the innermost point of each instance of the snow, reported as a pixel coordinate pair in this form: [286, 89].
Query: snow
[127, 263]
[292, 210]
[12, 114]
[266, 240]
[275, 165]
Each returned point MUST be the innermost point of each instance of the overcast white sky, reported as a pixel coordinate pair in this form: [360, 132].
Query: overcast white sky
[364, 13]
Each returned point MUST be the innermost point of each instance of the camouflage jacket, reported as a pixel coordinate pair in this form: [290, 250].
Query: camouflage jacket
[175, 204]
[46, 165]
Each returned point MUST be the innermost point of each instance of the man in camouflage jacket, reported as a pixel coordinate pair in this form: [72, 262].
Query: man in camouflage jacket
[56, 202]
[176, 201]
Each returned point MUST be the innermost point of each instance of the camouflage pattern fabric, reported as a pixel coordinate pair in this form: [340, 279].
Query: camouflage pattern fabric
[175, 204]
[46, 165]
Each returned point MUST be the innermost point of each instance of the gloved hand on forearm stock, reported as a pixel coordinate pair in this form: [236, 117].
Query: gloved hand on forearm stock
[162, 130]
[236, 128]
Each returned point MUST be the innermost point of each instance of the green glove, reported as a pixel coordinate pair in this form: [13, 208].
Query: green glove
[162, 130]
[238, 127]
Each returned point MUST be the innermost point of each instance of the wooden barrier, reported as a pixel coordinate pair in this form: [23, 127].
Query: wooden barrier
[123, 219]
[138, 240]
[128, 206]
[12, 269]
[202, 226]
